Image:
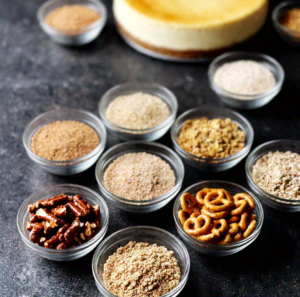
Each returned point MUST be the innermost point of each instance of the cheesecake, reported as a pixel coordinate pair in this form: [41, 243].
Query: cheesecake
[189, 29]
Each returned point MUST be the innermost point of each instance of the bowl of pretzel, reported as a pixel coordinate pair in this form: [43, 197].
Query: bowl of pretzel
[218, 218]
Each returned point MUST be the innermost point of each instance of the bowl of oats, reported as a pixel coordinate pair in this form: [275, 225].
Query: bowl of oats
[139, 176]
[273, 173]
[138, 111]
[133, 261]
[212, 139]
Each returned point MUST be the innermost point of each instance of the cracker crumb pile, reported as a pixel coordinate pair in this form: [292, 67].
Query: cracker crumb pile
[64, 140]
[141, 269]
[139, 176]
[278, 173]
[137, 111]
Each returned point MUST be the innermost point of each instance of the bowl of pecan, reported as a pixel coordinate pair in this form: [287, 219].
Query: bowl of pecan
[63, 222]
[273, 173]
[218, 218]
[212, 139]
[141, 261]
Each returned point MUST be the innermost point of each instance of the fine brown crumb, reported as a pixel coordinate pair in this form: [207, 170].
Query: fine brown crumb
[64, 140]
[72, 17]
[278, 173]
[211, 139]
[137, 111]
[141, 269]
[139, 176]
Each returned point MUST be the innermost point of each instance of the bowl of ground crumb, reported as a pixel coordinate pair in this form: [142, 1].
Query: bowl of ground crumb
[65, 141]
[273, 173]
[135, 111]
[212, 139]
[139, 176]
[245, 80]
[141, 261]
[72, 23]
[286, 20]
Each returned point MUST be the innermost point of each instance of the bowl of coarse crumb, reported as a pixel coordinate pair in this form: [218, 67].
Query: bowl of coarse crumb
[273, 173]
[245, 80]
[136, 247]
[65, 141]
[139, 176]
[138, 111]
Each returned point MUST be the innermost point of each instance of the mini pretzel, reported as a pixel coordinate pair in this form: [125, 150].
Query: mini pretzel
[215, 201]
[243, 221]
[197, 226]
[183, 216]
[195, 215]
[214, 215]
[237, 237]
[188, 202]
[244, 196]
[219, 227]
[226, 240]
[207, 237]
[233, 219]
[241, 206]
[201, 195]
[233, 228]
[250, 229]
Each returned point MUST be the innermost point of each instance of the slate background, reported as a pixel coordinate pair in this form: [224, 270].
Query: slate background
[37, 75]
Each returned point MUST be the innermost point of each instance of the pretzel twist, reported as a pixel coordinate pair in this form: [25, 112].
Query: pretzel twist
[250, 229]
[188, 202]
[183, 216]
[214, 215]
[226, 240]
[201, 195]
[216, 202]
[219, 227]
[197, 226]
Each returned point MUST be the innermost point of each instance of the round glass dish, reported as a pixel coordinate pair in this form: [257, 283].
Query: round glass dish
[147, 234]
[246, 101]
[214, 249]
[71, 166]
[267, 198]
[133, 147]
[68, 254]
[73, 37]
[290, 36]
[205, 164]
[150, 134]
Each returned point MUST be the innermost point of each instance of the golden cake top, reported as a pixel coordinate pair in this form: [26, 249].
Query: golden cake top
[196, 12]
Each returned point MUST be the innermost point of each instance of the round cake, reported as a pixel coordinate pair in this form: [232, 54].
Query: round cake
[188, 29]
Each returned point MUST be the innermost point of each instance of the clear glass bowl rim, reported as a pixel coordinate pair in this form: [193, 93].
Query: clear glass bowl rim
[179, 172]
[219, 160]
[173, 109]
[102, 247]
[252, 97]
[249, 162]
[100, 147]
[276, 12]
[101, 10]
[41, 249]
[215, 246]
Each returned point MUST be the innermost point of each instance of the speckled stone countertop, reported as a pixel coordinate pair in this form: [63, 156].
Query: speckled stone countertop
[37, 75]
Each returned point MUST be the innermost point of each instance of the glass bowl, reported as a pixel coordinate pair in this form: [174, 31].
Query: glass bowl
[71, 166]
[214, 249]
[73, 37]
[289, 36]
[150, 134]
[246, 101]
[267, 198]
[205, 164]
[147, 234]
[68, 254]
[133, 147]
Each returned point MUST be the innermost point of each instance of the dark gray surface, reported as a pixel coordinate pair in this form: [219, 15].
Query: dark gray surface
[37, 75]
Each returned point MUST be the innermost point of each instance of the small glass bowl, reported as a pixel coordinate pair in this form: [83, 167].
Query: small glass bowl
[68, 254]
[150, 134]
[71, 166]
[214, 249]
[147, 234]
[73, 37]
[267, 198]
[246, 101]
[290, 36]
[205, 164]
[133, 147]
